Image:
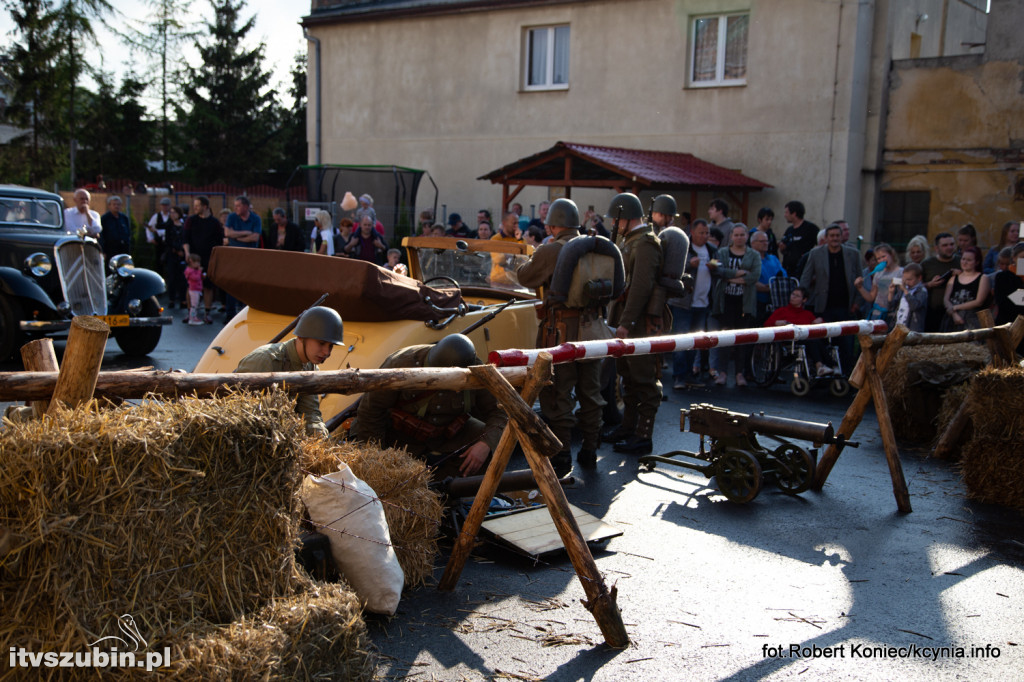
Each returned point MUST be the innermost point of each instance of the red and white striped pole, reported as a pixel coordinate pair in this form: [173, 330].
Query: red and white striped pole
[616, 348]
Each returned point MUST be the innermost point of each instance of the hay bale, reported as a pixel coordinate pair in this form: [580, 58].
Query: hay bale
[318, 633]
[916, 379]
[952, 399]
[172, 512]
[992, 462]
[401, 481]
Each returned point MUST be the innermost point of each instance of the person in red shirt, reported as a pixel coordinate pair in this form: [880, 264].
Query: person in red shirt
[795, 313]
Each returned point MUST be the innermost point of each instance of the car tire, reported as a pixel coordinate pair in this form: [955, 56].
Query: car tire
[11, 337]
[141, 340]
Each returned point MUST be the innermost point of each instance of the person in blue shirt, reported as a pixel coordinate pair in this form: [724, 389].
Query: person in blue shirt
[770, 267]
[242, 228]
[116, 236]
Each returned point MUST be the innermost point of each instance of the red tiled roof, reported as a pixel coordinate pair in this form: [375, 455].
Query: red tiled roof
[617, 165]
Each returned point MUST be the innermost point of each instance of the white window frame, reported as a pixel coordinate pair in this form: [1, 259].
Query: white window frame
[720, 80]
[549, 67]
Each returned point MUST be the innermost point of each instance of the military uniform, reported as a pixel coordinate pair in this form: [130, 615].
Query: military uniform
[556, 400]
[429, 424]
[642, 258]
[284, 357]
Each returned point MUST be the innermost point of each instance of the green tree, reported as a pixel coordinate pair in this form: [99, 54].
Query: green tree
[74, 25]
[161, 38]
[291, 122]
[229, 121]
[33, 68]
[116, 139]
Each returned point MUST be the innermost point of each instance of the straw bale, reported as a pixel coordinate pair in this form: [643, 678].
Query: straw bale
[171, 512]
[916, 379]
[401, 481]
[318, 633]
[952, 399]
[992, 463]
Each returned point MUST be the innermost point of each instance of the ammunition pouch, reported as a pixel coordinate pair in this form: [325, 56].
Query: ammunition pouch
[422, 430]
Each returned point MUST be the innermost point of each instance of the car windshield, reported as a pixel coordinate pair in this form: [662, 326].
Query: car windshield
[473, 268]
[29, 211]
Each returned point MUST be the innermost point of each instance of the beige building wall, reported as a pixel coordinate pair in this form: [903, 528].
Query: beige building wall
[955, 129]
[443, 93]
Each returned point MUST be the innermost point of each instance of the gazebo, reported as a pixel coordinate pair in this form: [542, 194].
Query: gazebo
[570, 164]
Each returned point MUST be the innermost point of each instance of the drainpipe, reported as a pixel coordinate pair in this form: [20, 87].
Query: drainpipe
[316, 133]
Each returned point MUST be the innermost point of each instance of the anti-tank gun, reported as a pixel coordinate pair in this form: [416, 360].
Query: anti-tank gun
[738, 461]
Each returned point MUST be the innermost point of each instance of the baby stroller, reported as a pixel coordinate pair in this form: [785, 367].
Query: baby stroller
[787, 360]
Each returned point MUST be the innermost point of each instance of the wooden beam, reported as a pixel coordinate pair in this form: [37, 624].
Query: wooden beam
[83, 355]
[39, 356]
[131, 384]
[946, 445]
[855, 413]
[539, 376]
[892, 453]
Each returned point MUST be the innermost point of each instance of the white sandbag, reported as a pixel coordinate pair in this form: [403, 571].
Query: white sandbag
[353, 520]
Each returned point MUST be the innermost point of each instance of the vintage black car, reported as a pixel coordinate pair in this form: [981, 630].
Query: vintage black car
[48, 276]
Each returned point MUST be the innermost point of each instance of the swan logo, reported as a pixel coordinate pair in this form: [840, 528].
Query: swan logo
[134, 640]
[127, 650]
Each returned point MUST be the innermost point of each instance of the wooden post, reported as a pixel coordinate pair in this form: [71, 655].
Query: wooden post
[82, 359]
[39, 356]
[1017, 332]
[536, 442]
[892, 453]
[519, 413]
[538, 377]
[855, 413]
[995, 350]
[949, 439]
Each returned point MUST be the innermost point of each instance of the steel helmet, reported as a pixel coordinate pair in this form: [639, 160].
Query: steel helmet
[454, 350]
[625, 206]
[664, 203]
[321, 323]
[563, 213]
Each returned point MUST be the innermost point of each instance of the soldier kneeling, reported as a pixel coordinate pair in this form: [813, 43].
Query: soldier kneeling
[453, 431]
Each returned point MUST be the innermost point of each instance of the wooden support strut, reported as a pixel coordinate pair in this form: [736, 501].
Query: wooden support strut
[537, 440]
[855, 413]
[83, 356]
[39, 356]
[892, 453]
[537, 379]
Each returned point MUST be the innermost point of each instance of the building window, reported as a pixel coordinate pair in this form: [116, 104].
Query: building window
[546, 66]
[719, 50]
[904, 214]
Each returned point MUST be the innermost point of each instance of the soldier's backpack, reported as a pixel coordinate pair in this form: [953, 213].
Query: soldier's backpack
[588, 273]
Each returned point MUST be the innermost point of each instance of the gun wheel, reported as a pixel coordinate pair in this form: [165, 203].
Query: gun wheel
[794, 469]
[739, 476]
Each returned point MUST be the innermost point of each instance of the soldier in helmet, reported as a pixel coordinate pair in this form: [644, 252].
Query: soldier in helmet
[568, 320]
[319, 330]
[631, 317]
[454, 431]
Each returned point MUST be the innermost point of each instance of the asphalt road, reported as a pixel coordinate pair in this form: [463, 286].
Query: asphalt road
[711, 590]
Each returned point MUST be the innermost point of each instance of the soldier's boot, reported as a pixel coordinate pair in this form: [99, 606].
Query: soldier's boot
[640, 442]
[624, 430]
[562, 463]
[587, 458]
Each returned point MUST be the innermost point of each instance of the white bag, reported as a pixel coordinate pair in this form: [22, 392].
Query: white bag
[359, 537]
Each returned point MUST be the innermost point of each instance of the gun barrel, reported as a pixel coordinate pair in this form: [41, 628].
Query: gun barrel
[510, 480]
[791, 428]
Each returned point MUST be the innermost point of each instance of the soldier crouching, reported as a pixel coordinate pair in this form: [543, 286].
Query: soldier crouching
[453, 431]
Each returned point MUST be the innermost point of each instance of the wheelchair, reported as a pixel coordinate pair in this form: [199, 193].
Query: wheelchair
[787, 360]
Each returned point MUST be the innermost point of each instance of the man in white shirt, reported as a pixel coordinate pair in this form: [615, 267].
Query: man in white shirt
[80, 215]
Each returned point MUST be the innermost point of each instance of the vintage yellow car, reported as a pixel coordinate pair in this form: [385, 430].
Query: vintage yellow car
[453, 285]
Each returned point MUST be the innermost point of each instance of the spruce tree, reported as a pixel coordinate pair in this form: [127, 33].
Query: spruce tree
[228, 126]
[35, 103]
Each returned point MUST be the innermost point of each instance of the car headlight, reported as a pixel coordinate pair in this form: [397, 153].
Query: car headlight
[122, 264]
[38, 264]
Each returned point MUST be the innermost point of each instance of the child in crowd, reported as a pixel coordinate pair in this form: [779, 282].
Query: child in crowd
[795, 313]
[194, 277]
[395, 262]
[910, 298]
